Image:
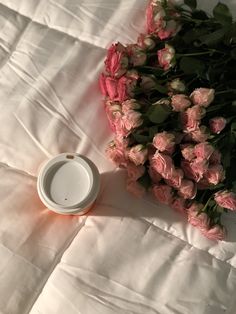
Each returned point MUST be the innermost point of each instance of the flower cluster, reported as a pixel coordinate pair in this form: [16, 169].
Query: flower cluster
[171, 132]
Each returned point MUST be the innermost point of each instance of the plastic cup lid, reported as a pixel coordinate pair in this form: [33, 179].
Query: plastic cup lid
[68, 183]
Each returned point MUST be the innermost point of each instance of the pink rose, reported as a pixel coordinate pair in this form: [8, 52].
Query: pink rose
[226, 199]
[154, 175]
[117, 61]
[215, 157]
[135, 172]
[116, 154]
[215, 174]
[176, 179]
[196, 112]
[102, 84]
[171, 29]
[196, 218]
[187, 189]
[214, 233]
[113, 111]
[137, 55]
[176, 85]
[180, 102]
[125, 88]
[203, 96]
[166, 57]
[130, 104]
[189, 124]
[111, 87]
[164, 141]
[132, 119]
[179, 204]
[138, 154]
[217, 124]
[163, 164]
[135, 188]
[203, 150]
[145, 42]
[200, 134]
[163, 193]
[187, 151]
[199, 168]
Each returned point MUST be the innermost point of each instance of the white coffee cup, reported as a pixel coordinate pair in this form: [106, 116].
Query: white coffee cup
[68, 184]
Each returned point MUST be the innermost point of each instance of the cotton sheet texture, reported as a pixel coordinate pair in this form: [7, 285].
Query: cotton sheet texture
[125, 256]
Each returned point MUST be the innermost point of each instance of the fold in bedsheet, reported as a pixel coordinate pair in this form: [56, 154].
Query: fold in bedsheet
[127, 255]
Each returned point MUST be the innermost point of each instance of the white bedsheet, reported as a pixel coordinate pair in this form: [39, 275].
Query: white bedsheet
[128, 255]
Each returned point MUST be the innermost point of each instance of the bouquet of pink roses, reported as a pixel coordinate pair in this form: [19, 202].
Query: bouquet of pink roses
[170, 99]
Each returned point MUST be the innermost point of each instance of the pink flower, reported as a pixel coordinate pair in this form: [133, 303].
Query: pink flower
[163, 164]
[187, 189]
[111, 87]
[215, 174]
[187, 151]
[217, 124]
[171, 29]
[138, 154]
[215, 157]
[145, 42]
[117, 61]
[199, 168]
[189, 124]
[196, 218]
[203, 150]
[215, 233]
[200, 134]
[226, 199]
[135, 188]
[166, 57]
[180, 102]
[132, 119]
[136, 54]
[102, 84]
[116, 154]
[113, 111]
[135, 172]
[163, 193]
[125, 87]
[202, 96]
[164, 141]
[154, 175]
[176, 86]
[176, 179]
[130, 104]
[179, 204]
[196, 112]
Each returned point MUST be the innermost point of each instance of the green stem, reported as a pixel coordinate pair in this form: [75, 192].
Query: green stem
[195, 53]
[225, 91]
[204, 208]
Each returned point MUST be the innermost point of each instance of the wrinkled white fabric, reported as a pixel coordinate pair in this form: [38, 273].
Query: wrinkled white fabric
[127, 255]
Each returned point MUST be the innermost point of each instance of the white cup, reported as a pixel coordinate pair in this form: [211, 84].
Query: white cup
[68, 184]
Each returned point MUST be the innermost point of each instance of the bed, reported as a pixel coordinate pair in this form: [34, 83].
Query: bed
[127, 255]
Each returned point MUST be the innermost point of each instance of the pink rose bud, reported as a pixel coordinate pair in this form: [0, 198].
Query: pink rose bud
[216, 232]
[201, 134]
[130, 104]
[179, 204]
[189, 124]
[187, 151]
[176, 86]
[147, 82]
[199, 168]
[196, 112]
[217, 124]
[187, 189]
[163, 193]
[145, 42]
[154, 175]
[117, 60]
[176, 179]
[163, 164]
[164, 141]
[180, 102]
[113, 111]
[116, 154]
[172, 28]
[215, 157]
[196, 218]
[111, 87]
[215, 174]
[102, 84]
[135, 188]
[203, 96]
[138, 154]
[203, 150]
[166, 57]
[135, 172]
[137, 55]
[132, 119]
[226, 199]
